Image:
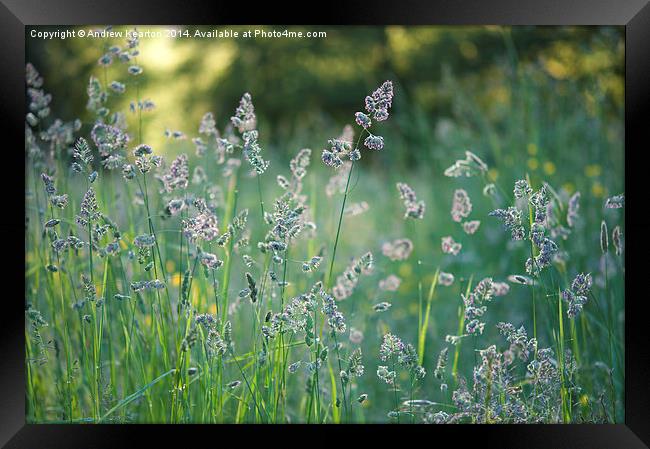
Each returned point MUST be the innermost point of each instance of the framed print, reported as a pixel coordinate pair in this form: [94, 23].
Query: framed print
[414, 214]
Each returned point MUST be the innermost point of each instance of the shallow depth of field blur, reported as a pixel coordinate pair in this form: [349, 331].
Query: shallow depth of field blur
[540, 104]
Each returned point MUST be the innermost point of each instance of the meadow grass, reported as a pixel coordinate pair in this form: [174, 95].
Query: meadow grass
[182, 290]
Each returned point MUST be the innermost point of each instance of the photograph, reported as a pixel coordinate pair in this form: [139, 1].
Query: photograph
[324, 224]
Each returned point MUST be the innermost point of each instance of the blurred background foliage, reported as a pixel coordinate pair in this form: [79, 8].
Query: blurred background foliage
[549, 96]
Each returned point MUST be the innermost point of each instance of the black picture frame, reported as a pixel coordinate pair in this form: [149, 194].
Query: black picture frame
[633, 14]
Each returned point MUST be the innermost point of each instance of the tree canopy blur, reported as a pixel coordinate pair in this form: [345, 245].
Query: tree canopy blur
[495, 89]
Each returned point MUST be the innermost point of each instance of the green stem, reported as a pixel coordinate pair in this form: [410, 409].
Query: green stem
[425, 325]
[395, 390]
[461, 324]
[231, 207]
[338, 229]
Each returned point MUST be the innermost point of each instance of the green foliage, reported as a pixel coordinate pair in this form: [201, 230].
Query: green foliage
[170, 311]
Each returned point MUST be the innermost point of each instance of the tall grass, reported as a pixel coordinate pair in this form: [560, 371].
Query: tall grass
[185, 298]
